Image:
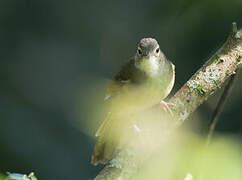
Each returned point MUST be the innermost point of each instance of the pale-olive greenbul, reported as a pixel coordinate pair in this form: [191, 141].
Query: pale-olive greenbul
[142, 82]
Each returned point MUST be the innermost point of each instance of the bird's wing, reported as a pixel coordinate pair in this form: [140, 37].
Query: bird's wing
[103, 126]
[124, 77]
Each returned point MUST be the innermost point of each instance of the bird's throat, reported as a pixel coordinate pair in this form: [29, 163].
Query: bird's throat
[149, 65]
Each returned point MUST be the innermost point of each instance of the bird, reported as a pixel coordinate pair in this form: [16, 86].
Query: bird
[145, 80]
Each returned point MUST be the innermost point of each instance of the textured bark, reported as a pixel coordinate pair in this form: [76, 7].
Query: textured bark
[194, 92]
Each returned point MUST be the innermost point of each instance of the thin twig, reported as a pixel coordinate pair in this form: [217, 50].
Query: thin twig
[219, 107]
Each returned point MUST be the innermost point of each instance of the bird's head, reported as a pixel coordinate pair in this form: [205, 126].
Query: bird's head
[149, 57]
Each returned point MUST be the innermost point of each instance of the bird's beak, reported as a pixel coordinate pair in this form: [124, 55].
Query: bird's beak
[147, 57]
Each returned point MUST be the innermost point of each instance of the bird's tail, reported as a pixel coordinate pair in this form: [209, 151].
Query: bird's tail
[106, 142]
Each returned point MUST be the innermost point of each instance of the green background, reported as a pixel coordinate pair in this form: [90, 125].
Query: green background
[52, 53]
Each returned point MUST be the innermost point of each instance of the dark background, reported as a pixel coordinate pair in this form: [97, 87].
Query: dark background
[53, 52]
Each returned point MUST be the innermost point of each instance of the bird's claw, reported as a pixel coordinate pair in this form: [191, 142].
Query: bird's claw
[166, 106]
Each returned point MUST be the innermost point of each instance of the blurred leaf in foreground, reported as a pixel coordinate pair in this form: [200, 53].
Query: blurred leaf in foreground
[187, 154]
[18, 176]
[2, 177]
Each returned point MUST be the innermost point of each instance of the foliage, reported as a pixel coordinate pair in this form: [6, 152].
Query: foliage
[17, 176]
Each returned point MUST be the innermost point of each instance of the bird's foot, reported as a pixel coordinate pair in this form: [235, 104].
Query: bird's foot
[166, 106]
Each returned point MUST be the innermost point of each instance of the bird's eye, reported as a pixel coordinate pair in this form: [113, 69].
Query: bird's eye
[139, 51]
[157, 50]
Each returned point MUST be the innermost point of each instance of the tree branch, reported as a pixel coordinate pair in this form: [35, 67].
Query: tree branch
[194, 92]
[222, 99]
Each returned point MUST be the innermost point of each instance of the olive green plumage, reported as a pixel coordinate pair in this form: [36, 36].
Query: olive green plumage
[141, 83]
